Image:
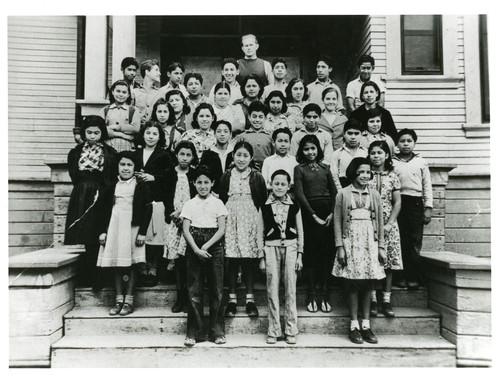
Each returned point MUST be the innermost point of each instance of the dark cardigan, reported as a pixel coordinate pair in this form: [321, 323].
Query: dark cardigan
[142, 208]
[212, 161]
[388, 126]
[109, 169]
[171, 184]
[258, 187]
[158, 164]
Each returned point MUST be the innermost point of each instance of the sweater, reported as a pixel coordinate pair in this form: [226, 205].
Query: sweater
[171, 178]
[257, 187]
[342, 216]
[415, 178]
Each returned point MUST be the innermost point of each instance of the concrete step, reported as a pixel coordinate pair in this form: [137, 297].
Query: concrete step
[161, 321]
[150, 351]
[165, 296]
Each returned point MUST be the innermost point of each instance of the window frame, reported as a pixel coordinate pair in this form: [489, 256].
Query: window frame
[438, 22]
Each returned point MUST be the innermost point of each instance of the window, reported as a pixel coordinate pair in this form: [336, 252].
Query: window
[485, 76]
[421, 45]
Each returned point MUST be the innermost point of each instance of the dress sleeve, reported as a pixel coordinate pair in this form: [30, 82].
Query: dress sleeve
[337, 220]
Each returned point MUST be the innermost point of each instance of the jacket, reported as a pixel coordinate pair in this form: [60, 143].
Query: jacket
[110, 168]
[171, 183]
[257, 187]
[158, 164]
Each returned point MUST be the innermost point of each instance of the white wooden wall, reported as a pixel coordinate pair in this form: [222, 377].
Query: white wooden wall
[42, 89]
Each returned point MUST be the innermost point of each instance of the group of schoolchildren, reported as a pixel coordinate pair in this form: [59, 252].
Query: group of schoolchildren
[260, 174]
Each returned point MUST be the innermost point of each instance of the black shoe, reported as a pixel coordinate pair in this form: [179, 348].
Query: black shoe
[368, 336]
[413, 285]
[355, 336]
[230, 310]
[373, 309]
[180, 304]
[387, 309]
[251, 309]
[151, 281]
[401, 284]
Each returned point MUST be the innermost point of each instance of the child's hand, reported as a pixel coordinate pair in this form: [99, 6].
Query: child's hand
[202, 254]
[341, 256]
[318, 220]
[298, 263]
[382, 256]
[140, 240]
[427, 215]
[262, 264]
[102, 239]
[142, 176]
[329, 220]
[387, 227]
[175, 215]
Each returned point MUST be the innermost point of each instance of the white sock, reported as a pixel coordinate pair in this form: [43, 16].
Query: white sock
[354, 324]
[129, 299]
[365, 324]
[249, 297]
[232, 297]
[374, 295]
[386, 297]
[119, 298]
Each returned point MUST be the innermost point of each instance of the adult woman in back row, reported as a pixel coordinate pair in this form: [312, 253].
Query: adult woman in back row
[369, 95]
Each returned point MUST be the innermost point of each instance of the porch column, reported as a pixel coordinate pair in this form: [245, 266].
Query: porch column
[95, 58]
[123, 42]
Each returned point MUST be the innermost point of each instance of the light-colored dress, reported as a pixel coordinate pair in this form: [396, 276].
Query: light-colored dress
[202, 140]
[294, 114]
[175, 243]
[242, 221]
[385, 183]
[360, 247]
[120, 249]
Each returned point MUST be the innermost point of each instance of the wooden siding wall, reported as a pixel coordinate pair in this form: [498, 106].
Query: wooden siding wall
[42, 89]
[468, 215]
[31, 216]
[433, 106]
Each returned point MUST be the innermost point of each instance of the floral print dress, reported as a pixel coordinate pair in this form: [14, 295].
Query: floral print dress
[385, 183]
[175, 243]
[242, 221]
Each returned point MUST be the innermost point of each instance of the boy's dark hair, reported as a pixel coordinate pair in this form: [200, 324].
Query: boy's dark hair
[283, 173]
[279, 60]
[327, 91]
[128, 61]
[186, 144]
[223, 122]
[222, 84]
[285, 130]
[185, 109]
[131, 155]
[190, 75]
[243, 144]
[369, 83]
[197, 111]
[94, 121]
[230, 60]
[385, 147]
[311, 107]
[256, 78]
[279, 94]
[161, 133]
[366, 59]
[171, 113]
[203, 170]
[407, 131]
[352, 169]
[174, 65]
[353, 124]
[312, 139]
[146, 65]
[257, 106]
[327, 59]
[116, 84]
[288, 90]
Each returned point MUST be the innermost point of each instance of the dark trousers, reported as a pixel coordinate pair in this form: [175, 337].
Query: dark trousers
[411, 230]
[197, 269]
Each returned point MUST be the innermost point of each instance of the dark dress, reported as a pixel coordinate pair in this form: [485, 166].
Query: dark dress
[388, 126]
[81, 222]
